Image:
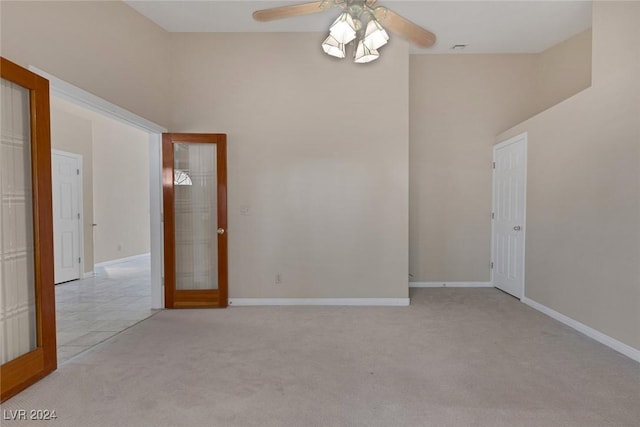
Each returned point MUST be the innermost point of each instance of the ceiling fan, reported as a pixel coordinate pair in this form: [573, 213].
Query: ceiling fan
[360, 22]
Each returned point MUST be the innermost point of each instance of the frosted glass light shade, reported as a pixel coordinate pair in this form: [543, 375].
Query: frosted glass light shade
[375, 36]
[343, 29]
[364, 54]
[333, 47]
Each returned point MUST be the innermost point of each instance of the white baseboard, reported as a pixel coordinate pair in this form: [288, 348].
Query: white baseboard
[119, 260]
[613, 343]
[450, 285]
[87, 274]
[320, 301]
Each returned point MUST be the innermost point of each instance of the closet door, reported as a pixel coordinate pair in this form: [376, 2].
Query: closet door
[27, 307]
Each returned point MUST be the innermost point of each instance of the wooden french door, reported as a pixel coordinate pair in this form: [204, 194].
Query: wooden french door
[27, 304]
[194, 179]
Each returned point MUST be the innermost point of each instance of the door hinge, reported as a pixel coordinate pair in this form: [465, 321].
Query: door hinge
[492, 265]
[493, 165]
[78, 215]
[493, 215]
[77, 171]
[78, 260]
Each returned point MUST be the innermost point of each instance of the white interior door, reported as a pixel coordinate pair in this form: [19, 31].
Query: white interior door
[509, 198]
[67, 221]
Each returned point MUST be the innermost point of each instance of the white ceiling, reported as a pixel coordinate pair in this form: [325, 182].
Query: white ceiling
[486, 26]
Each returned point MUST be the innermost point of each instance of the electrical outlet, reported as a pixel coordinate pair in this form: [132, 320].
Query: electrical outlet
[278, 279]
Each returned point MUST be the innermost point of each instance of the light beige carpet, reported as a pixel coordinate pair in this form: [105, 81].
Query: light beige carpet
[455, 357]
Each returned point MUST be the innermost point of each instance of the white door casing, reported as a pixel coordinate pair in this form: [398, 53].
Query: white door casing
[508, 215]
[66, 169]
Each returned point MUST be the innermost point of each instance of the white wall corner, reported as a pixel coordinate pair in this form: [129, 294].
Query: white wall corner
[613, 343]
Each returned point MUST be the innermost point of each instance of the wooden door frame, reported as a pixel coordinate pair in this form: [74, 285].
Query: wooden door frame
[522, 137]
[194, 298]
[25, 370]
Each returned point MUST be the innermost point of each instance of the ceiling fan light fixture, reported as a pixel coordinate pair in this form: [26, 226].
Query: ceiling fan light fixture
[361, 23]
[375, 35]
[364, 54]
[333, 47]
[343, 29]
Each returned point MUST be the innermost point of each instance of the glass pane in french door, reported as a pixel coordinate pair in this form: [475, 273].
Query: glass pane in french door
[196, 216]
[18, 333]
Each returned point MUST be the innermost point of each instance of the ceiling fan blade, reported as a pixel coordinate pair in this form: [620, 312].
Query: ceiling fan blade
[405, 28]
[289, 11]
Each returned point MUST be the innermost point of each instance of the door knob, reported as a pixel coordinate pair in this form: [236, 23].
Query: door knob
[517, 228]
[220, 230]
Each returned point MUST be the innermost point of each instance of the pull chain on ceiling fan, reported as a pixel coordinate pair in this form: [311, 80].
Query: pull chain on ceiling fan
[360, 21]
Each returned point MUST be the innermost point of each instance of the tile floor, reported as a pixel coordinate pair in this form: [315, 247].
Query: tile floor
[88, 311]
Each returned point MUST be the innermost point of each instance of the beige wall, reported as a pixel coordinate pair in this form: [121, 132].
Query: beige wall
[120, 176]
[458, 103]
[121, 190]
[74, 134]
[583, 201]
[318, 151]
[103, 47]
[564, 70]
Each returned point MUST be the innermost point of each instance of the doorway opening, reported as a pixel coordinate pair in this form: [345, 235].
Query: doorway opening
[109, 259]
[100, 170]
